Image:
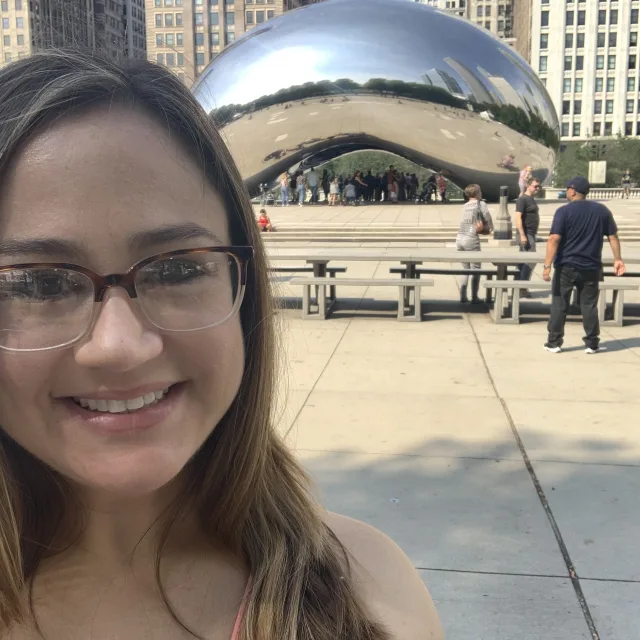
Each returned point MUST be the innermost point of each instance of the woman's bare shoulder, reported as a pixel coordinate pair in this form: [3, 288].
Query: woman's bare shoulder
[389, 584]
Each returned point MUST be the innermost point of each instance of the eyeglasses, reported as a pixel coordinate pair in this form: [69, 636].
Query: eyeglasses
[45, 306]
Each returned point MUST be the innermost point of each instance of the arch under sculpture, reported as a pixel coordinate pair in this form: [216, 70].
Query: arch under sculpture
[347, 75]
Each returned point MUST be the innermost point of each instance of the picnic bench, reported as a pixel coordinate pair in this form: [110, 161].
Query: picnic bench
[502, 288]
[414, 315]
[307, 268]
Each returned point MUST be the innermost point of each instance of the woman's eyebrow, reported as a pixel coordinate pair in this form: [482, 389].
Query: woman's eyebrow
[139, 241]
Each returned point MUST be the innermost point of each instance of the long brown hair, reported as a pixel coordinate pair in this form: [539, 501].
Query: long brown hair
[248, 490]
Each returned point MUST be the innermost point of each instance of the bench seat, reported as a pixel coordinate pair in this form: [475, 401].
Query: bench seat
[323, 310]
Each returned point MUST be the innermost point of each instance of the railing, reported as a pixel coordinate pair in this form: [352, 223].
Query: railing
[597, 193]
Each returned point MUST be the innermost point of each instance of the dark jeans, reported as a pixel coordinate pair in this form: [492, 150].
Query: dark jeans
[586, 281]
[525, 270]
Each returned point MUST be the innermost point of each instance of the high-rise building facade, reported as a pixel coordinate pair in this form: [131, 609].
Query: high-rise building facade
[185, 35]
[116, 27]
[586, 54]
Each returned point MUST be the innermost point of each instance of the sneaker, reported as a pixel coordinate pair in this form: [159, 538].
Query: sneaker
[591, 350]
[551, 349]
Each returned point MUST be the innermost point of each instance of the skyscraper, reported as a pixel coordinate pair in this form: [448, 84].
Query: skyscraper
[586, 54]
[185, 35]
[116, 27]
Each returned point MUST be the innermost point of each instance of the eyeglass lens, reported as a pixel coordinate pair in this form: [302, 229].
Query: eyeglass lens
[44, 308]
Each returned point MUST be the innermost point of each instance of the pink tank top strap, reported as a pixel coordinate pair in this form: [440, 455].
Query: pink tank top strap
[243, 606]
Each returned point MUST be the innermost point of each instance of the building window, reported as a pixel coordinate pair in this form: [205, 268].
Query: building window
[568, 63]
[229, 37]
[18, 5]
[568, 40]
[249, 17]
[599, 85]
[199, 58]
[543, 64]
[581, 41]
[633, 60]
[602, 39]
[565, 129]
[199, 39]
[179, 40]
[270, 14]
[158, 3]
[579, 63]
[169, 38]
[479, 11]
[5, 23]
[178, 19]
[213, 3]
[613, 16]
[566, 107]
[566, 88]
[544, 40]
[602, 16]
[597, 128]
[181, 59]
[628, 128]
[576, 129]
[544, 19]
[633, 39]
[487, 11]
[19, 23]
[259, 17]
[198, 3]
[168, 19]
[577, 107]
[215, 39]
[608, 128]
[158, 19]
[159, 40]
[7, 57]
[634, 16]
[578, 88]
[178, 3]
[199, 18]
[581, 18]
[570, 17]
[611, 84]
[214, 18]
[608, 106]
[613, 39]
[230, 17]
[171, 60]
[597, 107]
[160, 58]
[631, 84]
[599, 62]
[630, 105]
[611, 62]
[500, 25]
[5, 5]
[7, 41]
[168, 3]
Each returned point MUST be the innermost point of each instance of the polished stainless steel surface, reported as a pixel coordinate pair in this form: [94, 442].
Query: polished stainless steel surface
[347, 75]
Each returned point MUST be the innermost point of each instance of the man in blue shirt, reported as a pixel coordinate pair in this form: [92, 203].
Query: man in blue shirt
[575, 248]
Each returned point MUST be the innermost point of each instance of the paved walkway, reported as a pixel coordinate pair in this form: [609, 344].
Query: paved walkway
[495, 465]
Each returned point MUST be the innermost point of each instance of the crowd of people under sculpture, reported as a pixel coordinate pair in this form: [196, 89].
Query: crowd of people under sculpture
[391, 186]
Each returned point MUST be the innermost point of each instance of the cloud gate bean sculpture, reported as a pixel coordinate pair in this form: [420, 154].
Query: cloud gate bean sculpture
[347, 75]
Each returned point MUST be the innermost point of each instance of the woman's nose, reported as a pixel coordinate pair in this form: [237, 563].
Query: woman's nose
[119, 340]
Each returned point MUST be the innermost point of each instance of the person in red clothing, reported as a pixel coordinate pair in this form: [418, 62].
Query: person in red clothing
[264, 223]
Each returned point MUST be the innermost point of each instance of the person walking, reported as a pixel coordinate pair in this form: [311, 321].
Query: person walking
[626, 184]
[523, 179]
[476, 220]
[575, 249]
[284, 189]
[312, 181]
[301, 185]
[527, 220]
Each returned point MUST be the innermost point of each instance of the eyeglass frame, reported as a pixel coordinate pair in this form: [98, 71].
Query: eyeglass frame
[126, 280]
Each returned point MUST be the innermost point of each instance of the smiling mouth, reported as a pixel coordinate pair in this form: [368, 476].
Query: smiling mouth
[130, 405]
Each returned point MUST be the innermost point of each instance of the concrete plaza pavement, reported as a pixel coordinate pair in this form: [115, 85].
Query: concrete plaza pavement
[495, 465]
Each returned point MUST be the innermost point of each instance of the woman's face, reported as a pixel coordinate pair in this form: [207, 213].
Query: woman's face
[103, 183]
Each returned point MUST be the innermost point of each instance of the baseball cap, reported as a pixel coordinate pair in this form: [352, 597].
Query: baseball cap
[579, 184]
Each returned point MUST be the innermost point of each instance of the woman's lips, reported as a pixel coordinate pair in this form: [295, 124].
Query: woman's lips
[124, 422]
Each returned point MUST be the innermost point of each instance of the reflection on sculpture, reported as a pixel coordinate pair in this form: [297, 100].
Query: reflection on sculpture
[348, 75]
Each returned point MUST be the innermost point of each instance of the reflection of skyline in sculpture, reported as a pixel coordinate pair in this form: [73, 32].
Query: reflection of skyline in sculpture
[447, 106]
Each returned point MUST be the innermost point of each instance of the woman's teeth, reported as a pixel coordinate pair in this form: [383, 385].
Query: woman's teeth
[122, 406]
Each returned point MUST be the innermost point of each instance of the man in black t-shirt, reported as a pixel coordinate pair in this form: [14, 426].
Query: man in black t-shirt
[527, 222]
[575, 248]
